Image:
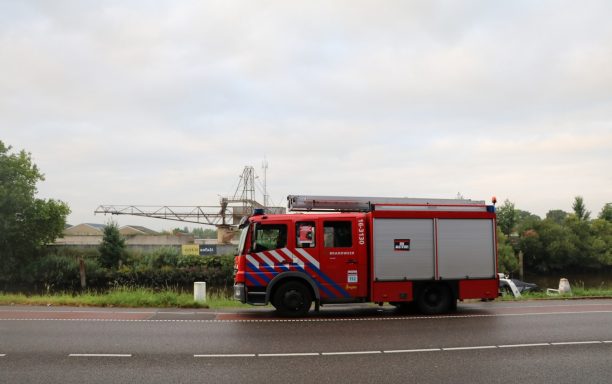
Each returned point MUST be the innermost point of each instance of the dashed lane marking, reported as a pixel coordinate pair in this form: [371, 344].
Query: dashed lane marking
[100, 355]
[229, 355]
[396, 351]
[468, 348]
[576, 342]
[524, 345]
[314, 320]
[288, 354]
[413, 350]
[351, 353]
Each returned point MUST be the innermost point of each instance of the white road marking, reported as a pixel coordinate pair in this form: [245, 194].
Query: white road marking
[348, 353]
[469, 348]
[351, 353]
[501, 304]
[317, 320]
[524, 345]
[448, 349]
[100, 355]
[576, 342]
[413, 350]
[288, 354]
[229, 355]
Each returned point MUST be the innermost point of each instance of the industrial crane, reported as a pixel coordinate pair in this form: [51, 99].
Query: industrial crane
[226, 216]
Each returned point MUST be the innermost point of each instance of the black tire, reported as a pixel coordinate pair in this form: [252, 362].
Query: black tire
[292, 299]
[434, 299]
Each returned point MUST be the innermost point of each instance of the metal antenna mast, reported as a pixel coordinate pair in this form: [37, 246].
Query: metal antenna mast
[245, 192]
[264, 166]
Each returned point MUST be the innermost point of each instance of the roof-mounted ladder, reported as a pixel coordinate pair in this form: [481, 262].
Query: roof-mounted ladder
[364, 204]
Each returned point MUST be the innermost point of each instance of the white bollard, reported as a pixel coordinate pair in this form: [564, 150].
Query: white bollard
[564, 286]
[199, 291]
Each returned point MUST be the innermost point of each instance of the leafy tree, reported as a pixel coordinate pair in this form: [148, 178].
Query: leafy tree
[580, 209]
[581, 230]
[557, 215]
[205, 233]
[26, 222]
[508, 262]
[525, 217]
[180, 231]
[601, 241]
[549, 246]
[112, 249]
[507, 217]
[606, 213]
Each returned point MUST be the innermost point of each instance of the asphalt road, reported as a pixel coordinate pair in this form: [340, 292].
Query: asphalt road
[528, 342]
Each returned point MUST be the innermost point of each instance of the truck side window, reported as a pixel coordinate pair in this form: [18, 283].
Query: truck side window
[338, 234]
[269, 236]
[305, 234]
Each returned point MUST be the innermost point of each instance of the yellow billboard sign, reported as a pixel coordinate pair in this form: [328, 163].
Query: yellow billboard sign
[190, 250]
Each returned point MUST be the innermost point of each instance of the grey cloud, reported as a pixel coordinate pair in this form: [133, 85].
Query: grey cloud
[386, 98]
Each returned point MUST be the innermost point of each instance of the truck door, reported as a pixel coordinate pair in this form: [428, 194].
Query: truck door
[265, 259]
[343, 258]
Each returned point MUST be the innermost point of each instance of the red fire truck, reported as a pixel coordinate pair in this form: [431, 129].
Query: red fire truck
[430, 252]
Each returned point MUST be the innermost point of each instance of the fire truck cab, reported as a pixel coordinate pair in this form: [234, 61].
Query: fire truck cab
[431, 252]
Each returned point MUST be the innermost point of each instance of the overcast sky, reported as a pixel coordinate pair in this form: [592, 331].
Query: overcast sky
[165, 102]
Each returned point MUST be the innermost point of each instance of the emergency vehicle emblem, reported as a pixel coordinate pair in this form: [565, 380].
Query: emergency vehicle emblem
[401, 245]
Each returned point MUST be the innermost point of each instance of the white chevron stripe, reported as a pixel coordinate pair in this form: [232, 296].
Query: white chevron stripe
[280, 259]
[251, 260]
[295, 259]
[277, 256]
[308, 257]
[287, 252]
[262, 256]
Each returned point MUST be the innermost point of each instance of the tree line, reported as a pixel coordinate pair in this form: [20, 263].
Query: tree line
[561, 241]
[29, 225]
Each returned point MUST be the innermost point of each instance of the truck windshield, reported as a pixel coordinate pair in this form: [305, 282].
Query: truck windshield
[242, 241]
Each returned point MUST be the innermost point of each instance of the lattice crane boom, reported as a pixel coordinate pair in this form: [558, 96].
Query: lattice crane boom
[207, 215]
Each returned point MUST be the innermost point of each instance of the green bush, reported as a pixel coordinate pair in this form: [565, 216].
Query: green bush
[217, 273]
[57, 270]
[191, 261]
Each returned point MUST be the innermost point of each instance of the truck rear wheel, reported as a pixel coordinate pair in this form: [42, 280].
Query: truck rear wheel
[434, 299]
[292, 299]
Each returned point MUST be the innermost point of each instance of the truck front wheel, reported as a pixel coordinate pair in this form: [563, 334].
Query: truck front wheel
[434, 299]
[292, 299]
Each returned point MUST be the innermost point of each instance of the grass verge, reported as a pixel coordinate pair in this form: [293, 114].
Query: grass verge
[577, 292]
[122, 297]
[144, 297]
